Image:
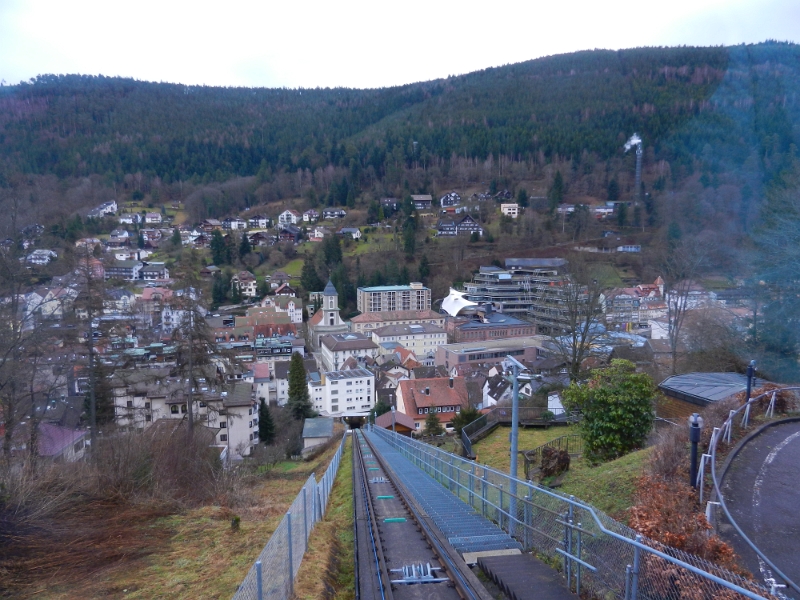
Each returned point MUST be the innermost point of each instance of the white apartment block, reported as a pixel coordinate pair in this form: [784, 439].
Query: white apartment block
[510, 210]
[422, 339]
[337, 393]
[393, 297]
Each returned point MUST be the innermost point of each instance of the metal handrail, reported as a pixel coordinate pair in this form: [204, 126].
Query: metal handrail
[421, 449]
[715, 437]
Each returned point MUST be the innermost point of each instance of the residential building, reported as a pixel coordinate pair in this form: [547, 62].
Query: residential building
[280, 381]
[397, 421]
[246, 281]
[422, 339]
[118, 301]
[510, 210]
[130, 218]
[393, 297]
[417, 398]
[124, 269]
[336, 348]
[258, 222]
[210, 225]
[262, 381]
[234, 224]
[465, 226]
[152, 218]
[154, 271]
[310, 216]
[291, 305]
[348, 392]
[353, 232]
[333, 213]
[41, 257]
[390, 204]
[210, 271]
[422, 201]
[491, 352]
[369, 321]
[290, 233]
[450, 199]
[289, 217]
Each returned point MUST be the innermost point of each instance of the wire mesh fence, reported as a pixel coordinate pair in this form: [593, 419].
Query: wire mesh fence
[599, 556]
[272, 575]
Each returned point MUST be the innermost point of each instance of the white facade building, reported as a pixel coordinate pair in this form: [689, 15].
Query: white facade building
[343, 392]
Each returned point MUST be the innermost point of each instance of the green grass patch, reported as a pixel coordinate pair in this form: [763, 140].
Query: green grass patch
[294, 267]
[609, 486]
[328, 567]
[494, 449]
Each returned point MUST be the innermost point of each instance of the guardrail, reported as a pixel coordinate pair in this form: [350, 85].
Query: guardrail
[599, 555]
[272, 575]
[724, 433]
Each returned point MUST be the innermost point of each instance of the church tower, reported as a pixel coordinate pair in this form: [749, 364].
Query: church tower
[330, 305]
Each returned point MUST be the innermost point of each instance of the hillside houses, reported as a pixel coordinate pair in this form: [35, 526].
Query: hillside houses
[466, 225]
[289, 217]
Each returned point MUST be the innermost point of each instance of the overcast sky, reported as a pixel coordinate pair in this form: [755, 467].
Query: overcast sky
[353, 43]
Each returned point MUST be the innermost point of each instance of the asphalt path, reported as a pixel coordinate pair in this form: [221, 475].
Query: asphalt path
[762, 492]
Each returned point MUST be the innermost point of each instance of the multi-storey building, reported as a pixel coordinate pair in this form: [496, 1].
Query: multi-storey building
[417, 398]
[422, 339]
[337, 393]
[337, 348]
[393, 297]
[487, 324]
[369, 321]
[491, 352]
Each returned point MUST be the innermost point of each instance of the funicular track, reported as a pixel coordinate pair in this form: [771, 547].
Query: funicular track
[399, 554]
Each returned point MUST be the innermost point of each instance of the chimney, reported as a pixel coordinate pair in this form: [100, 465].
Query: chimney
[451, 383]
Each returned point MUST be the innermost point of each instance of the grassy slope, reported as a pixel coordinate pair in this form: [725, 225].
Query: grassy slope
[329, 561]
[202, 557]
[609, 487]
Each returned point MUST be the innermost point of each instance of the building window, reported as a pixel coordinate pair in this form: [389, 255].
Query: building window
[130, 403]
[223, 425]
[173, 409]
[148, 418]
[147, 405]
[183, 408]
[223, 438]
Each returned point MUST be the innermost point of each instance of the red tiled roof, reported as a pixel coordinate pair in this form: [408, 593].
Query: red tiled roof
[315, 320]
[261, 371]
[440, 393]
[385, 420]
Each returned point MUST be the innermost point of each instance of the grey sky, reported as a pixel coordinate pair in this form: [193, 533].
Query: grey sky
[353, 43]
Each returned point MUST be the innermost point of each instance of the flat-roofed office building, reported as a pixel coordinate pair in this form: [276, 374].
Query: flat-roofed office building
[382, 298]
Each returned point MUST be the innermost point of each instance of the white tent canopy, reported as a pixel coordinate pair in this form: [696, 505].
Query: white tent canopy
[455, 302]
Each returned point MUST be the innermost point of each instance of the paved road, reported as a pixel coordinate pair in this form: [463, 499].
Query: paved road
[762, 491]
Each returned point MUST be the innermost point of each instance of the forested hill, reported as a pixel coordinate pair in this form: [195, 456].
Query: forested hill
[739, 100]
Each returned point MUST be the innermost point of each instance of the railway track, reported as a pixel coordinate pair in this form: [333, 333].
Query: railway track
[399, 553]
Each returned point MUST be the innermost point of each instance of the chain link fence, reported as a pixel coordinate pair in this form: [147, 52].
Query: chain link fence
[599, 556]
[272, 575]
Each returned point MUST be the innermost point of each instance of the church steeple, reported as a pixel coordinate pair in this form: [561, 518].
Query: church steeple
[330, 304]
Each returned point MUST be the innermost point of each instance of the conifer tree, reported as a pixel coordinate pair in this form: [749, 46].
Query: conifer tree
[432, 425]
[266, 426]
[299, 402]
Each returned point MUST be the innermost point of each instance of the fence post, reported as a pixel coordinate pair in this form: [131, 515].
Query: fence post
[635, 571]
[291, 566]
[578, 566]
[450, 477]
[527, 518]
[472, 485]
[313, 495]
[500, 509]
[305, 518]
[483, 494]
[259, 581]
[628, 582]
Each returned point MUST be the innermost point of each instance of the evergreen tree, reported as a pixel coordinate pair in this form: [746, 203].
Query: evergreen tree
[244, 246]
[556, 193]
[140, 241]
[219, 290]
[622, 214]
[613, 190]
[409, 240]
[522, 197]
[236, 294]
[309, 278]
[299, 402]
[266, 426]
[432, 425]
[176, 238]
[218, 249]
[424, 267]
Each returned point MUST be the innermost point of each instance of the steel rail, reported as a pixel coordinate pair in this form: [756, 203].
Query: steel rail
[463, 587]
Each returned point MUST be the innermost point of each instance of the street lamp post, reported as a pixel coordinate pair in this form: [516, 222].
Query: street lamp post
[394, 430]
[516, 368]
[695, 427]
